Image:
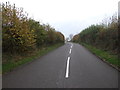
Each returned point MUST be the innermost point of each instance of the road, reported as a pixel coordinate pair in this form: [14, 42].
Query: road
[69, 66]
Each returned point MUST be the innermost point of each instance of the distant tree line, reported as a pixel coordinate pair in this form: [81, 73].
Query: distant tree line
[103, 36]
[21, 34]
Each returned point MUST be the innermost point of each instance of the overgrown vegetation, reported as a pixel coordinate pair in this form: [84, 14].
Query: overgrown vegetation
[14, 61]
[102, 36]
[112, 59]
[22, 35]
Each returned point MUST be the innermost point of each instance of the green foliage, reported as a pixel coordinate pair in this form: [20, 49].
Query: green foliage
[76, 38]
[60, 37]
[10, 65]
[45, 34]
[51, 36]
[15, 30]
[112, 59]
[21, 34]
[103, 36]
[39, 31]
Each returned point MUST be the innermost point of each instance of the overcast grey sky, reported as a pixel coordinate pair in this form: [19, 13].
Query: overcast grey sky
[68, 16]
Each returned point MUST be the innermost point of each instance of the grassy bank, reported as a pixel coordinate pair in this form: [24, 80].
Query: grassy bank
[13, 61]
[107, 56]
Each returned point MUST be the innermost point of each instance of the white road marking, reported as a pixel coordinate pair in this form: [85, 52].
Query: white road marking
[71, 46]
[67, 68]
[70, 51]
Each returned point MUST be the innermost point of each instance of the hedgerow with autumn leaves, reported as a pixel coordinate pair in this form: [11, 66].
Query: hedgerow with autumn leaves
[21, 34]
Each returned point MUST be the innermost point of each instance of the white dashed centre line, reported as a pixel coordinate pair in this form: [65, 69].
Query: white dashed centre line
[68, 61]
[67, 68]
[70, 51]
[71, 46]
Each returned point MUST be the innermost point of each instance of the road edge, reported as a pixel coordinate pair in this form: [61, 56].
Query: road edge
[104, 60]
[30, 61]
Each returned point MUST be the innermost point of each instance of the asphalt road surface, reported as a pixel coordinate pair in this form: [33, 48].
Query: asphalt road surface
[69, 66]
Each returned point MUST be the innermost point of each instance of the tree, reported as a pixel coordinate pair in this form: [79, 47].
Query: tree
[39, 31]
[75, 38]
[16, 33]
[103, 36]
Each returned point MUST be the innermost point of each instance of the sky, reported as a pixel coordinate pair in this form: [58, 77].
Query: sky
[68, 16]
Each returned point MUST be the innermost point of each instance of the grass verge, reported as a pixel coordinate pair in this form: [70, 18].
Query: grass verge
[11, 64]
[104, 55]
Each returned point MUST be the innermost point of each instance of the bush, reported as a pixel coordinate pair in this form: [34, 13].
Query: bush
[103, 36]
[16, 33]
[21, 34]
